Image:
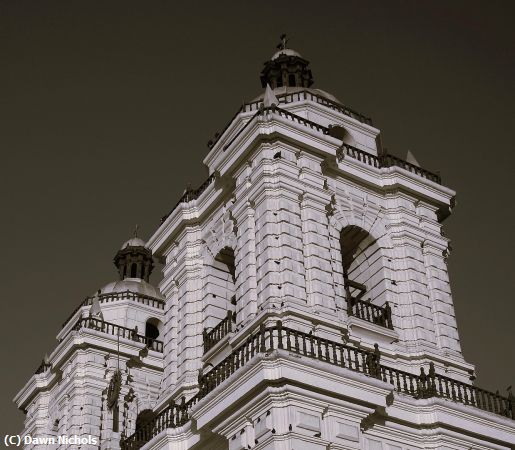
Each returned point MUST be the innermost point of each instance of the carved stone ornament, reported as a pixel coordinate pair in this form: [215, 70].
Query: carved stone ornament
[113, 391]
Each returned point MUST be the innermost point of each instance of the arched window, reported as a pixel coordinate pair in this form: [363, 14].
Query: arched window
[134, 270]
[291, 80]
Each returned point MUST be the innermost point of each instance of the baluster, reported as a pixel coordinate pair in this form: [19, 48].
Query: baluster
[262, 347]
[236, 360]
[252, 346]
[271, 337]
[486, 400]
[279, 325]
[404, 384]
[288, 339]
[465, 396]
[359, 311]
[460, 395]
[356, 360]
[411, 385]
[447, 391]
[453, 391]
[349, 358]
[296, 335]
[233, 363]
[335, 357]
[304, 348]
[225, 370]
[477, 395]
[497, 402]
[248, 348]
[342, 355]
[327, 355]
[319, 348]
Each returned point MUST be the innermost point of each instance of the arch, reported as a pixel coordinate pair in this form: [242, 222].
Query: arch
[220, 277]
[369, 248]
[134, 270]
[153, 329]
[292, 80]
[362, 265]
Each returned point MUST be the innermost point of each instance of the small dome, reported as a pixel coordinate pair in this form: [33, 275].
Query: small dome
[134, 242]
[135, 285]
[286, 52]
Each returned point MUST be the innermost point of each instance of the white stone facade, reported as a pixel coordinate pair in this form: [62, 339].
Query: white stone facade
[305, 288]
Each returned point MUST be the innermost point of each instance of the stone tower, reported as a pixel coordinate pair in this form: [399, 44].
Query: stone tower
[306, 297]
[104, 376]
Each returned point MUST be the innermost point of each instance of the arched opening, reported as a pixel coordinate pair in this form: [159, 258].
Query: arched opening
[291, 80]
[220, 289]
[143, 417]
[134, 270]
[152, 330]
[363, 266]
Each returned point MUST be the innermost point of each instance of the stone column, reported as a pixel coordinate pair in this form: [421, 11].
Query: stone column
[245, 255]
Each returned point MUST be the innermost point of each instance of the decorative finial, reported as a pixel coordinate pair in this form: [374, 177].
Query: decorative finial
[284, 41]
[136, 231]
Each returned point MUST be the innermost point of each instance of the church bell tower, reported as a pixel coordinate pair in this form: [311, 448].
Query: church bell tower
[309, 304]
[305, 302]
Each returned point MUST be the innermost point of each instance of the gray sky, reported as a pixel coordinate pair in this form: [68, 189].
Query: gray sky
[106, 109]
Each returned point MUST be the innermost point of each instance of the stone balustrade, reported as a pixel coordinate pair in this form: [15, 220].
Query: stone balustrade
[222, 329]
[119, 296]
[117, 330]
[278, 337]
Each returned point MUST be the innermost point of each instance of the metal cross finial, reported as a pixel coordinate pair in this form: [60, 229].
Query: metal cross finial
[284, 41]
[136, 231]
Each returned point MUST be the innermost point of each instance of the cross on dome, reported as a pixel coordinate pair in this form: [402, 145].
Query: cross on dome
[282, 44]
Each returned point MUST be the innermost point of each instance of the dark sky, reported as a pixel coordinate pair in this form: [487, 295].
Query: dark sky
[106, 108]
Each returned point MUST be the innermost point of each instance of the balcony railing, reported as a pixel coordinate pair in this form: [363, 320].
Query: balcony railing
[385, 160]
[117, 330]
[294, 97]
[117, 296]
[381, 161]
[366, 362]
[192, 194]
[362, 309]
[222, 329]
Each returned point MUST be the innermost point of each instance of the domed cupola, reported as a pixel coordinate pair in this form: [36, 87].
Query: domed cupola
[134, 260]
[286, 68]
